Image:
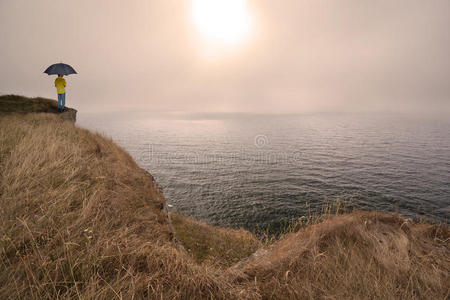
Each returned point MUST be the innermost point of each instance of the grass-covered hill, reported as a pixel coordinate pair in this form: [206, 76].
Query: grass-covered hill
[20, 104]
[79, 219]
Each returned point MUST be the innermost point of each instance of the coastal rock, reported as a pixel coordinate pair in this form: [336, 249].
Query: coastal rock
[69, 114]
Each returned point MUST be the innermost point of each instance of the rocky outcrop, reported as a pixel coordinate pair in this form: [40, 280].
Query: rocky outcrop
[69, 114]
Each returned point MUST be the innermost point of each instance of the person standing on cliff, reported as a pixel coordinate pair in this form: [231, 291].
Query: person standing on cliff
[60, 69]
[60, 84]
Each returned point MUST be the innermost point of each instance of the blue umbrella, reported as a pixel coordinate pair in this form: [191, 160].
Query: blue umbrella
[63, 69]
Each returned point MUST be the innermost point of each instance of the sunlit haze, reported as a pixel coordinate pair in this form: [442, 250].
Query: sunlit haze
[222, 21]
[179, 56]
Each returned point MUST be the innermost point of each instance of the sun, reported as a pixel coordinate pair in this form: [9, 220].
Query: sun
[222, 21]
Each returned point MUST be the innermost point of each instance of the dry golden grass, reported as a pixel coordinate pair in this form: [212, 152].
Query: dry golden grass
[362, 255]
[79, 219]
[212, 245]
[19, 104]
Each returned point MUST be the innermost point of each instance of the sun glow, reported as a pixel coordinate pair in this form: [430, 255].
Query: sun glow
[222, 21]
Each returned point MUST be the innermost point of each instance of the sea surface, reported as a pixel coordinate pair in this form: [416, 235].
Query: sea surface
[261, 171]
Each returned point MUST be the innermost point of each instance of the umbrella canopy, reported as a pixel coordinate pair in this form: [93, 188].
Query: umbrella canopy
[63, 69]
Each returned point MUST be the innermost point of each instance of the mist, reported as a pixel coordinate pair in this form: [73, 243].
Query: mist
[300, 56]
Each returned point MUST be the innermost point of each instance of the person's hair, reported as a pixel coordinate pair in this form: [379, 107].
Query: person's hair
[60, 75]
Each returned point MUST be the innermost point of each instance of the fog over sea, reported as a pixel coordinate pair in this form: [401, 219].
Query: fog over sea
[254, 171]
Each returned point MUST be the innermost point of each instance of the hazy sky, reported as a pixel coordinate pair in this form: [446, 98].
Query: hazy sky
[296, 56]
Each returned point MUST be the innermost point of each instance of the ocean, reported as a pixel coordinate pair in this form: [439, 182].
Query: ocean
[260, 172]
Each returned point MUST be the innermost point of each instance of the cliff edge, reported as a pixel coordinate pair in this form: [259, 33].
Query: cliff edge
[13, 104]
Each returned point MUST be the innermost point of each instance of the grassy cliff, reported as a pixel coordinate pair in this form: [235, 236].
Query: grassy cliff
[19, 104]
[79, 219]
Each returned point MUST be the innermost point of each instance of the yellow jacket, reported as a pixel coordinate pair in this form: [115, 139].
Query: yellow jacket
[60, 84]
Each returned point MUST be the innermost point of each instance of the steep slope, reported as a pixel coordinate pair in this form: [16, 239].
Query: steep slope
[79, 218]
